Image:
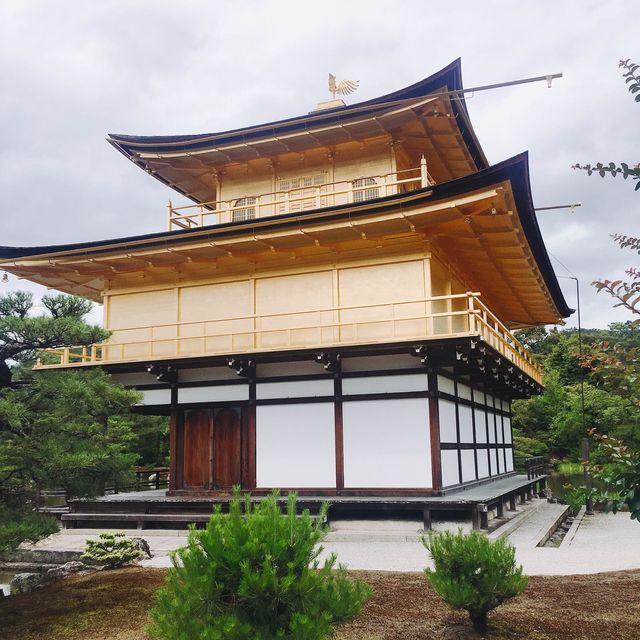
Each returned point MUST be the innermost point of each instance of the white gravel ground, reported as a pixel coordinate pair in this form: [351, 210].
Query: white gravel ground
[603, 542]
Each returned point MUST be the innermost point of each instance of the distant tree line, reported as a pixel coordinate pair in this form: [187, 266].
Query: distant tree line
[552, 423]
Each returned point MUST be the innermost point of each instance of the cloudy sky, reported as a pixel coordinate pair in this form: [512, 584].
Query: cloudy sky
[73, 71]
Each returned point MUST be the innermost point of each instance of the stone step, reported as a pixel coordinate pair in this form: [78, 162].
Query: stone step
[516, 521]
[535, 530]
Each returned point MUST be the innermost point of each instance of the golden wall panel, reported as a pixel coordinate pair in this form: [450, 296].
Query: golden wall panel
[142, 309]
[445, 283]
[328, 306]
[288, 294]
[251, 185]
[374, 160]
[215, 301]
[381, 284]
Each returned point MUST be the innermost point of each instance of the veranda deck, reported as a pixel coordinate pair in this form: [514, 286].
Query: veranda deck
[149, 508]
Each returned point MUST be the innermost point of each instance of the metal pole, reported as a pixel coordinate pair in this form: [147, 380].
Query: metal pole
[587, 476]
[560, 206]
[548, 78]
[585, 441]
[579, 347]
[581, 354]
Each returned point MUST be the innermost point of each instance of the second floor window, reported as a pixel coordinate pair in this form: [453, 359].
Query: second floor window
[244, 209]
[369, 192]
[301, 193]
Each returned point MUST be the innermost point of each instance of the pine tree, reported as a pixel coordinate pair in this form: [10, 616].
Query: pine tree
[22, 334]
[254, 574]
[473, 573]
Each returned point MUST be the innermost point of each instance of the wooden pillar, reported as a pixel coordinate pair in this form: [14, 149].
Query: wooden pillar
[473, 426]
[434, 429]
[500, 509]
[512, 502]
[173, 439]
[457, 414]
[339, 428]
[475, 517]
[248, 440]
[173, 462]
[424, 175]
[426, 519]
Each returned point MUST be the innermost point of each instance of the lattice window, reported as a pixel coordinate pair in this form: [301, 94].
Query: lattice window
[364, 194]
[242, 209]
[302, 193]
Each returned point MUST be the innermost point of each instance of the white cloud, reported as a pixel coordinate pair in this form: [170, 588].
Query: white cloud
[74, 71]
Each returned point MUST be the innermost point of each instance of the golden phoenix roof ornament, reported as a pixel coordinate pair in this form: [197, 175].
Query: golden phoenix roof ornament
[344, 88]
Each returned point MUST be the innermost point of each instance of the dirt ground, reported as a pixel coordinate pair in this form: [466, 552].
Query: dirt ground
[113, 605]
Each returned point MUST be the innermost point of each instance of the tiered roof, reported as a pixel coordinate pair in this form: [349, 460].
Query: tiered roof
[483, 216]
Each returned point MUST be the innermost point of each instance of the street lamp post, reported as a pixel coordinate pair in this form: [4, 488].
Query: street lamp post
[585, 441]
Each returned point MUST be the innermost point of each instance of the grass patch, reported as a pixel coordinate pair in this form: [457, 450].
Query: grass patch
[570, 468]
[114, 605]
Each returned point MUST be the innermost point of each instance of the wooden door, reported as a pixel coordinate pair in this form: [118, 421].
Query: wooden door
[197, 449]
[226, 449]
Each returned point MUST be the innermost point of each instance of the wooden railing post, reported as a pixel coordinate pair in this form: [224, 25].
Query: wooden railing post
[424, 175]
[169, 215]
[471, 312]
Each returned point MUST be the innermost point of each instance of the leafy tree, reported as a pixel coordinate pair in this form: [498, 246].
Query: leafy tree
[621, 476]
[22, 334]
[151, 440]
[473, 573]
[632, 80]
[64, 429]
[526, 447]
[17, 526]
[627, 293]
[617, 363]
[552, 423]
[255, 575]
[538, 340]
[69, 430]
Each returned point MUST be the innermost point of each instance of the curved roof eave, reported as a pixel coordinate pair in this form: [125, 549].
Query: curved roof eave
[515, 170]
[449, 77]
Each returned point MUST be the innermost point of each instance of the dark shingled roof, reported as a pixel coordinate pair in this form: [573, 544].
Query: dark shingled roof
[449, 79]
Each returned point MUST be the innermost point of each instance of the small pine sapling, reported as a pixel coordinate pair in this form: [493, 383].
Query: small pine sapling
[473, 573]
[254, 573]
[111, 550]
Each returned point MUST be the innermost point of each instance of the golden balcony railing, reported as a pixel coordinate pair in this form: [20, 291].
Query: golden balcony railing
[304, 197]
[421, 319]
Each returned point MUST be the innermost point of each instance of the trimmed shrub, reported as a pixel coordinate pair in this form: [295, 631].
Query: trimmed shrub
[473, 573]
[111, 550]
[575, 497]
[254, 574]
[17, 527]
